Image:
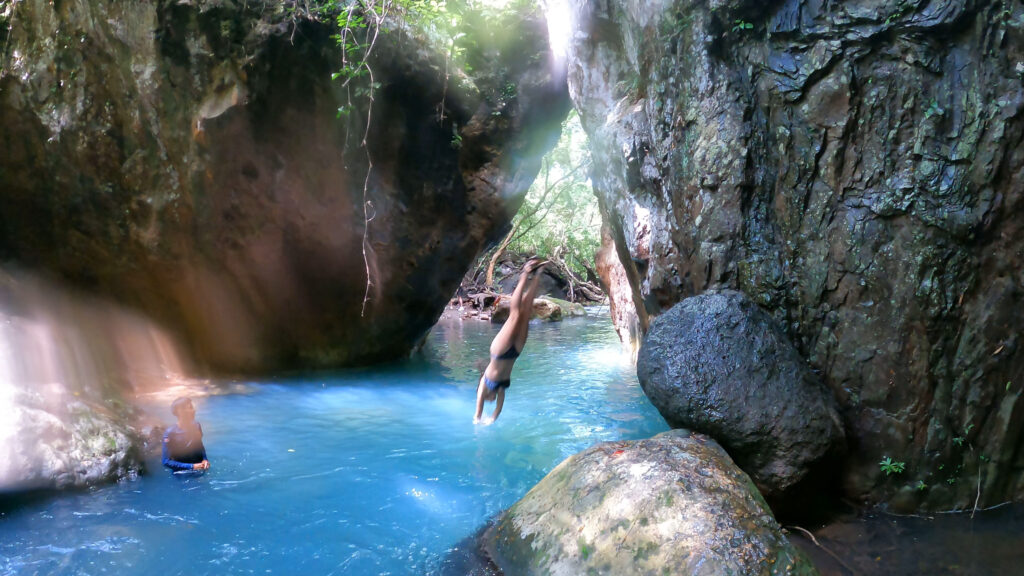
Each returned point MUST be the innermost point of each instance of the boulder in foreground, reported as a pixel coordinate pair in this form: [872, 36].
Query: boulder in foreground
[674, 502]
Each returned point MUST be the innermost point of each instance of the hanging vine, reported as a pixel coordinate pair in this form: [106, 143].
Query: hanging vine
[439, 22]
[359, 27]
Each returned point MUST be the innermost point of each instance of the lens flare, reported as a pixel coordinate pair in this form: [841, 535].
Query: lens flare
[559, 29]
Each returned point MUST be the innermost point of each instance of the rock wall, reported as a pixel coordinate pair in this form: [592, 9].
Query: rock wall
[856, 168]
[188, 159]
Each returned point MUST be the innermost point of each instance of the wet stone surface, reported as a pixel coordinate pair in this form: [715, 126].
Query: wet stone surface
[719, 364]
[674, 501]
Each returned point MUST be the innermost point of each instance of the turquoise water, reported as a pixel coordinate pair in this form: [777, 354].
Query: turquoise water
[377, 471]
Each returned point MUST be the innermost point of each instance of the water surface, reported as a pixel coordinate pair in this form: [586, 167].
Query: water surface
[376, 471]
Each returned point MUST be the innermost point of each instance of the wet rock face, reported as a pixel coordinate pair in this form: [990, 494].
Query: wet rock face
[615, 283]
[188, 159]
[640, 507]
[854, 167]
[718, 364]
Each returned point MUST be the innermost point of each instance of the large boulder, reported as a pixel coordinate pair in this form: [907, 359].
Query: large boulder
[857, 169]
[543, 309]
[673, 503]
[569, 309]
[718, 364]
[195, 160]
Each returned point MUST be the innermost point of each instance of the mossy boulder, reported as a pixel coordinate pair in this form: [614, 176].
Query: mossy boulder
[569, 309]
[675, 503]
[543, 309]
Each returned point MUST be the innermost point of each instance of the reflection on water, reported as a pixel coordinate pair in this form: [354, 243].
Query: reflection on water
[376, 471]
[992, 543]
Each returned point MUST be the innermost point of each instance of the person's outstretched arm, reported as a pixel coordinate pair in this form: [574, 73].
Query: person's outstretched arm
[526, 289]
[498, 403]
[170, 462]
[479, 400]
[531, 290]
[516, 300]
[203, 464]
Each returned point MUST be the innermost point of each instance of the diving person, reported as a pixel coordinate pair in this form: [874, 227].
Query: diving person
[508, 344]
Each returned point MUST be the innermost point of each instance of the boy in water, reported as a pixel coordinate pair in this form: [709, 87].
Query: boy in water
[183, 443]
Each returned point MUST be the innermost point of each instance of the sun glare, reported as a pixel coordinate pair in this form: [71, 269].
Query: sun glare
[559, 28]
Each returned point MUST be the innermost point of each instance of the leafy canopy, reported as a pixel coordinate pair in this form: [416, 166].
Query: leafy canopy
[560, 215]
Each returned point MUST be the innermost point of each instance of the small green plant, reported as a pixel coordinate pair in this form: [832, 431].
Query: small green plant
[959, 440]
[678, 25]
[741, 25]
[456, 137]
[902, 10]
[584, 548]
[921, 486]
[934, 110]
[890, 466]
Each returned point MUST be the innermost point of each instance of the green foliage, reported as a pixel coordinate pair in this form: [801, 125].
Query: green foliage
[630, 87]
[959, 440]
[902, 9]
[934, 110]
[584, 548]
[456, 137]
[560, 216]
[472, 36]
[921, 486]
[890, 466]
[678, 24]
[741, 25]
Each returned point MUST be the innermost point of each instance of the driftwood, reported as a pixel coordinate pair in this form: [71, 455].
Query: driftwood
[578, 288]
[477, 293]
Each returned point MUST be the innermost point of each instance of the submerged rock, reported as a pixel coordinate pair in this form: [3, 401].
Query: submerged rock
[674, 503]
[718, 364]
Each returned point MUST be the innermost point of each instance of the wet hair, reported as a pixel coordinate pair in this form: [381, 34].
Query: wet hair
[179, 404]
